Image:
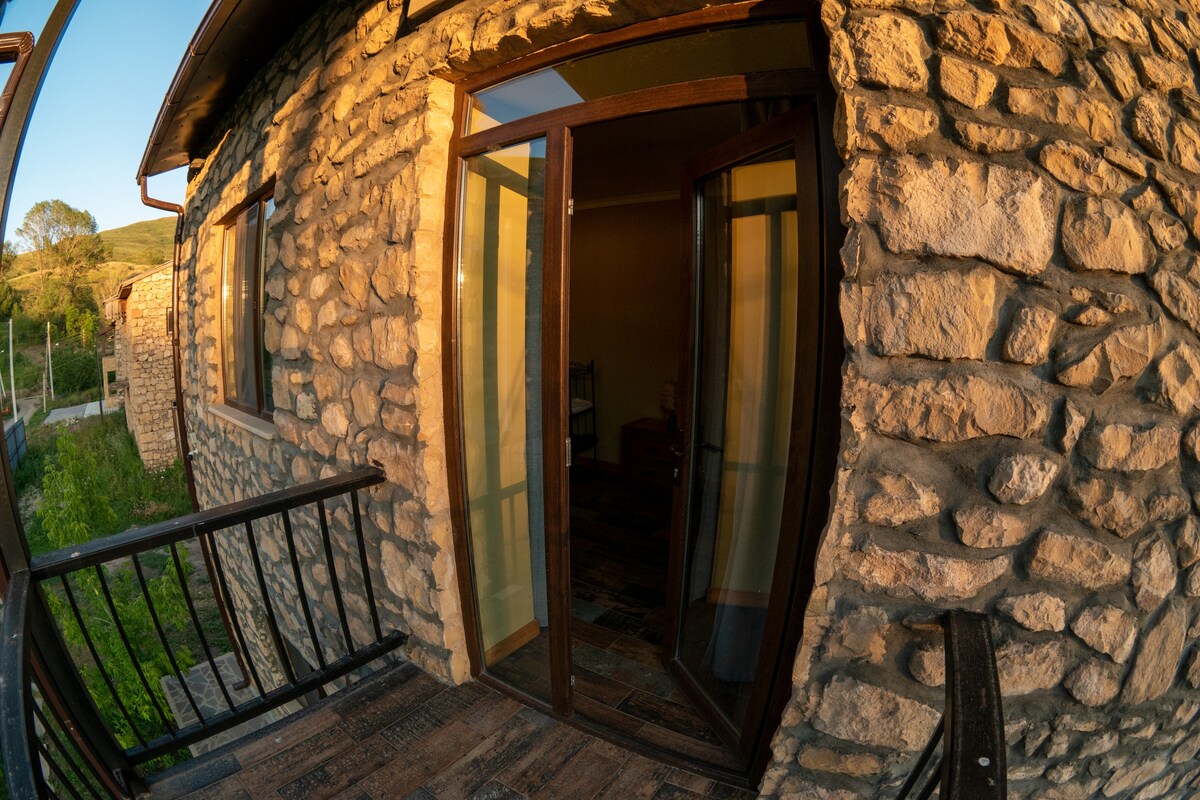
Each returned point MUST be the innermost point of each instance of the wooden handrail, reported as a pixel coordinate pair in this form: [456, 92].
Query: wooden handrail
[138, 540]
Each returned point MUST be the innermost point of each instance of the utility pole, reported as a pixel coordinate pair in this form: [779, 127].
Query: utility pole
[50, 359]
[99, 369]
[12, 375]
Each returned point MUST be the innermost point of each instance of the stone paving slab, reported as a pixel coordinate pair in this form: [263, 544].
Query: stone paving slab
[210, 700]
[69, 413]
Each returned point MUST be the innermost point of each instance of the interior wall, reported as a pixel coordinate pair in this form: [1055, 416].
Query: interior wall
[625, 309]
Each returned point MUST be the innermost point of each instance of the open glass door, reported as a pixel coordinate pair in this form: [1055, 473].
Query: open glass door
[500, 341]
[729, 568]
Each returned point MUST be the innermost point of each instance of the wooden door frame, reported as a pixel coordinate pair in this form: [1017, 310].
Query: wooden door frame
[812, 507]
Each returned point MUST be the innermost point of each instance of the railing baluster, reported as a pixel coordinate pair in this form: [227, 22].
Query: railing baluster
[333, 576]
[162, 638]
[272, 625]
[58, 773]
[922, 762]
[366, 569]
[935, 778]
[91, 646]
[187, 597]
[169, 724]
[308, 617]
[237, 628]
[58, 744]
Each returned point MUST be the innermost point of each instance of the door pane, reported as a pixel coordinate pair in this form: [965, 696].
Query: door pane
[500, 290]
[742, 421]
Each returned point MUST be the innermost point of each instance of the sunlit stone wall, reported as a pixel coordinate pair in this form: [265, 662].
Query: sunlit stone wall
[143, 360]
[1021, 301]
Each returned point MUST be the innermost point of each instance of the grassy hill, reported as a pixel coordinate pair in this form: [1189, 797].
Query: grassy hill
[134, 243]
[134, 248]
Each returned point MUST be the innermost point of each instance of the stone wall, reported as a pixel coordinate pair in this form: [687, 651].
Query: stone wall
[143, 360]
[1021, 302]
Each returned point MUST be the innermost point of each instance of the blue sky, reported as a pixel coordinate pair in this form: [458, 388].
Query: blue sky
[98, 104]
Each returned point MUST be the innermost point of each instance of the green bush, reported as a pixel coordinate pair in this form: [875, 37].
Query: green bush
[75, 369]
[75, 508]
[136, 496]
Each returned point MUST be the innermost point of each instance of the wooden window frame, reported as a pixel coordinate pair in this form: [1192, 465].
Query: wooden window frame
[260, 199]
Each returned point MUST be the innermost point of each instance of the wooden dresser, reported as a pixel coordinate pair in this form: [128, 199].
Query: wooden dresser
[646, 457]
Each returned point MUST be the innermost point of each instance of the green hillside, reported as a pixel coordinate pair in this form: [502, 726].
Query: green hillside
[134, 248]
[144, 244]
[135, 243]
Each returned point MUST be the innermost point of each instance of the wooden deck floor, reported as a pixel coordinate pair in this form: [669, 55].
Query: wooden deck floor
[401, 734]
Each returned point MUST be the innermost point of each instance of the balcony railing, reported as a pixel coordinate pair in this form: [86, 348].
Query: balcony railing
[970, 734]
[57, 742]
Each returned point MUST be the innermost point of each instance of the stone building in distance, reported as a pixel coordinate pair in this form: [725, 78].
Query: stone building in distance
[140, 314]
[923, 274]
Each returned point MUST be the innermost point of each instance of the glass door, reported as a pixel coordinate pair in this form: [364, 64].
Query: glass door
[500, 362]
[739, 431]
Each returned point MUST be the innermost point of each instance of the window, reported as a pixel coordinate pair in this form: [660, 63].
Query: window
[245, 362]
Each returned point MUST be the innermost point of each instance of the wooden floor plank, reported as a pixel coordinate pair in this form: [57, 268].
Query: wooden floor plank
[281, 737]
[723, 791]
[229, 789]
[607, 715]
[506, 744]
[638, 650]
[681, 719]
[541, 762]
[341, 772]
[495, 790]
[689, 747]
[581, 779]
[274, 771]
[639, 779]
[600, 687]
[365, 714]
[669, 791]
[435, 714]
[689, 780]
[493, 715]
[407, 774]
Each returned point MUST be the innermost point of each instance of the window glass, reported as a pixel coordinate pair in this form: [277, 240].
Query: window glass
[500, 274]
[245, 363]
[688, 57]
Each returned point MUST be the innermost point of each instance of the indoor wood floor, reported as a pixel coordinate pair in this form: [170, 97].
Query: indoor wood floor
[402, 734]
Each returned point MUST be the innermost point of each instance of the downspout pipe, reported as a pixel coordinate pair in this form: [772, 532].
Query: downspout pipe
[181, 436]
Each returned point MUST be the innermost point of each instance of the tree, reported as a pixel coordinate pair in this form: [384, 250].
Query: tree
[65, 246]
[10, 301]
[80, 324]
[8, 258]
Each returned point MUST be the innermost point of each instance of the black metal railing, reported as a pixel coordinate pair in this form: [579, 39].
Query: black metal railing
[57, 740]
[970, 734]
